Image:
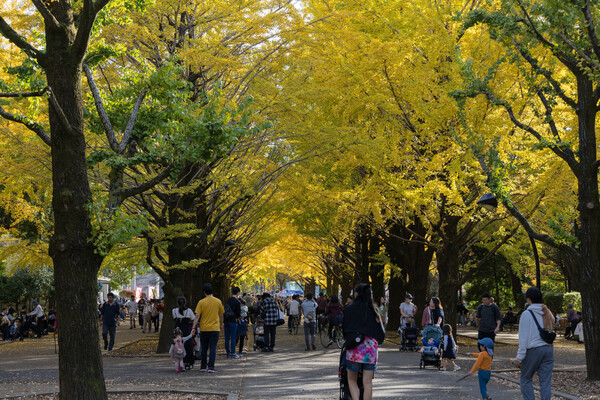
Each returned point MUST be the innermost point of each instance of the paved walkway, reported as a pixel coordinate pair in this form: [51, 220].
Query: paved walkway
[289, 373]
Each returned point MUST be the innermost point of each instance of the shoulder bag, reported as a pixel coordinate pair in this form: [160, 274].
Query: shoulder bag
[546, 335]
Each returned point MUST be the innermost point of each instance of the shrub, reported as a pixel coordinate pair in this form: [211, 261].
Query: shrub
[554, 301]
[572, 298]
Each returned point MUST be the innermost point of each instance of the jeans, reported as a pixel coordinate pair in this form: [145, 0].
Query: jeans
[230, 336]
[108, 330]
[270, 336]
[241, 340]
[540, 359]
[155, 322]
[462, 320]
[208, 342]
[6, 331]
[309, 329]
[484, 378]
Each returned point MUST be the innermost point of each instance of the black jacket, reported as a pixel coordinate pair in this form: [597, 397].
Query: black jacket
[236, 307]
[359, 317]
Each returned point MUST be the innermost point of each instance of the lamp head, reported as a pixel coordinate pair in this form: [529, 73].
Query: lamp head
[488, 201]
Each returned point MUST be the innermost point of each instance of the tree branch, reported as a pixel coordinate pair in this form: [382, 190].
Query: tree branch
[592, 63]
[59, 111]
[546, 74]
[568, 158]
[514, 211]
[25, 94]
[134, 191]
[86, 23]
[32, 126]
[131, 122]
[49, 18]
[19, 41]
[591, 28]
[110, 134]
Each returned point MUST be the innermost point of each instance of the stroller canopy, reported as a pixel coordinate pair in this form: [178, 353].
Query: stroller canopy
[431, 332]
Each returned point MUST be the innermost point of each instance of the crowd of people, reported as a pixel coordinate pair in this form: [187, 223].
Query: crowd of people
[34, 323]
[361, 318]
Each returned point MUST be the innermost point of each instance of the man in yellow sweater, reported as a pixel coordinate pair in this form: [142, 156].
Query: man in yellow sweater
[209, 312]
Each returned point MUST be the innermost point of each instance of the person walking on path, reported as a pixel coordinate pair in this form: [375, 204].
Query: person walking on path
[177, 350]
[449, 348]
[361, 319]
[572, 320]
[321, 306]
[293, 311]
[109, 315]
[209, 315]
[131, 306]
[534, 354]
[462, 311]
[426, 317]
[407, 310]
[309, 310]
[148, 310]
[270, 313]
[483, 365]
[437, 312]
[489, 318]
[231, 318]
[183, 317]
[335, 316]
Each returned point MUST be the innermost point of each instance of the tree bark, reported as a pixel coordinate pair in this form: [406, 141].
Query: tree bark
[76, 261]
[589, 215]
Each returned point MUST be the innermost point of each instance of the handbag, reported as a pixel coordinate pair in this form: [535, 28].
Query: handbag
[353, 339]
[280, 320]
[546, 335]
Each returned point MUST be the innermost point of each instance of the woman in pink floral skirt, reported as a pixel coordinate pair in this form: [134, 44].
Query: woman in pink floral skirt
[364, 332]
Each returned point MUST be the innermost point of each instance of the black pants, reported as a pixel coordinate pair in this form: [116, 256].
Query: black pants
[241, 342]
[270, 336]
[481, 335]
[155, 320]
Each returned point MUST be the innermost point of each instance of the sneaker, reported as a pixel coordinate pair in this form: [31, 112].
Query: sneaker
[203, 370]
[330, 342]
[236, 356]
[307, 349]
[105, 346]
[131, 327]
[313, 346]
[110, 349]
[456, 368]
[212, 370]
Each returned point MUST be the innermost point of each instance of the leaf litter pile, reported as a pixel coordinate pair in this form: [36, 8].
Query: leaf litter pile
[573, 383]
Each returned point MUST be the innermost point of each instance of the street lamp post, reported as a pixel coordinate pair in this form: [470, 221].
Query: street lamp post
[490, 203]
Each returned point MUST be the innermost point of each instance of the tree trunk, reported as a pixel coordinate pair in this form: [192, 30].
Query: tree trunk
[517, 289]
[449, 285]
[165, 337]
[589, 215]
[376, 268]
[76, 261]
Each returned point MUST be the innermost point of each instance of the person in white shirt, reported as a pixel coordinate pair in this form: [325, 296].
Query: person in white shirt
[132, 307]
[534, 354]
[407, 310]
[294, 311]
[38, 313]
[309, 309]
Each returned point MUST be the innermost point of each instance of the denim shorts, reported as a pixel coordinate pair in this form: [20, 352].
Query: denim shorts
[355, 367]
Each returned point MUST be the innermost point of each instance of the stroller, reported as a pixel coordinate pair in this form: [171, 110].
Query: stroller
[343, 377]
[258, 331]
[428, 357]
[409, 335]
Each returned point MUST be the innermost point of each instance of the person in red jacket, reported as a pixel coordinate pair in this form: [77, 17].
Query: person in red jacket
[335, 315]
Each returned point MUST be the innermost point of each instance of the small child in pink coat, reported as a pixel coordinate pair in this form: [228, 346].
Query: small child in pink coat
[177, 349]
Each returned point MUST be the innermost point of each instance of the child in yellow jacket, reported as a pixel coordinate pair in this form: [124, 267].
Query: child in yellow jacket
[483, 365]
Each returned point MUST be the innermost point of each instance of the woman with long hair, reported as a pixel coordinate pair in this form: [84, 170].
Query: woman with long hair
[364, 332]
[184, 317]
[437, 312]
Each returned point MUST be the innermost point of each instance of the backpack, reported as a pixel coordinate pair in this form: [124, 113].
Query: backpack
[228, 315]
[178, 349]
[154, 312]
